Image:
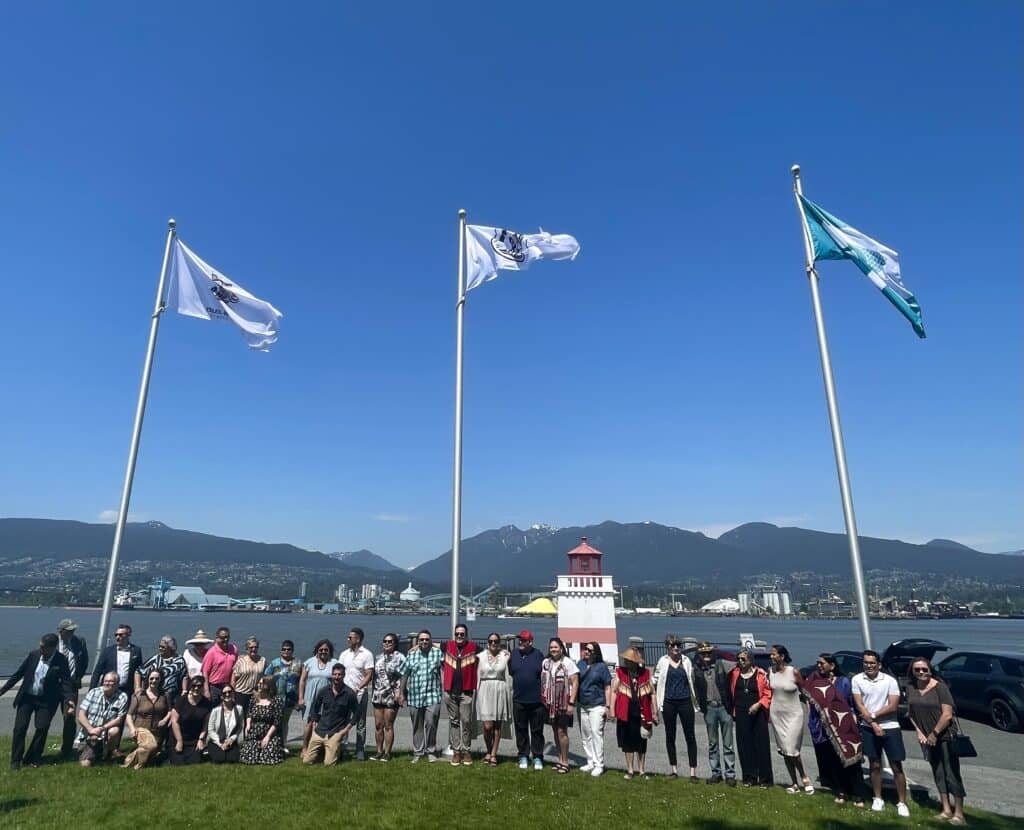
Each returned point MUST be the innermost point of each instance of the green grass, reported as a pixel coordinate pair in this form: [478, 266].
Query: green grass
[401, 795]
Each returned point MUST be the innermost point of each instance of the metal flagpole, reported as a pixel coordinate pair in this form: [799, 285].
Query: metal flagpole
[460, 307]
[833, 417]
[133, 451]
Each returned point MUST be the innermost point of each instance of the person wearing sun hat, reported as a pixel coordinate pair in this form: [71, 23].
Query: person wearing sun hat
[711, 686]
[194, 653]
[633, 706]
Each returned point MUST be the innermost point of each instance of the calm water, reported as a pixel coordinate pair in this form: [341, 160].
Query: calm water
[804, 638]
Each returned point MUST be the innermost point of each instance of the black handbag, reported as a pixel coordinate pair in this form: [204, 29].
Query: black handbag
[963, 746]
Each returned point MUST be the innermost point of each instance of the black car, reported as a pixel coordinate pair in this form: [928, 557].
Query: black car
[729, 652]
[895, 661]
[985, 683]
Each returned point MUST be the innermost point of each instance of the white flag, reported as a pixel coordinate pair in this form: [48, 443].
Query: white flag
[491, 249]
[201, 291]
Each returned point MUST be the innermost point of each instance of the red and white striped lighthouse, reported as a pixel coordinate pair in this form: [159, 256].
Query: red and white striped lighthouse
[586, 604]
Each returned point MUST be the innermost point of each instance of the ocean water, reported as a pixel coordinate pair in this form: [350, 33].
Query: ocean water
[804, 638]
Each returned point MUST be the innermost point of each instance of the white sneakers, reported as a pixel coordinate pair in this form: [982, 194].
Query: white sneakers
[523, 763]
[902, 810]
[596, 772]
[538, 764]
[587, 767]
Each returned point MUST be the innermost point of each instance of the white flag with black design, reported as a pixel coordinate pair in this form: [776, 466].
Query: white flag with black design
[489, 250]
[199, 290]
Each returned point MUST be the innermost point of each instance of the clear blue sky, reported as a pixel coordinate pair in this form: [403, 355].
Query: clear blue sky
[319, 155]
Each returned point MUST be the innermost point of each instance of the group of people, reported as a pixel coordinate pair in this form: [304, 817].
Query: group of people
[213, 702]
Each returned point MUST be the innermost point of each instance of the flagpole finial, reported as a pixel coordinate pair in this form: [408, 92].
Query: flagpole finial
[795, 170]
[462, 213]
[172, 224]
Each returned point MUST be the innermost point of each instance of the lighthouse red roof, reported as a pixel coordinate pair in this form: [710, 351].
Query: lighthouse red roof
[585, 548]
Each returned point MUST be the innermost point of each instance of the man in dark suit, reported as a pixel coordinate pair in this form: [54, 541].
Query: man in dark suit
[76, 652]
[123, 658]
[45, 682]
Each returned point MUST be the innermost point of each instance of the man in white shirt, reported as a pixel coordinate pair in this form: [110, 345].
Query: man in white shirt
[876, 695]
[358, 663]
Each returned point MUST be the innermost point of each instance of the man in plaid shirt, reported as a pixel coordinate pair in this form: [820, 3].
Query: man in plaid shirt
[99, 720]
[421, 692]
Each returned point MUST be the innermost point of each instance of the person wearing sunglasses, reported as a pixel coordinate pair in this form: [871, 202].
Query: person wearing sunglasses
[494, 696]
[751, 699]
[673, 685]
[124, 657]
[218, 664]
[224, 729]
[286, 671]
[387, 680]
[595, 699]
[459, 677]
[421, 692]
[876, 695]
[932, 713]
[316, 675]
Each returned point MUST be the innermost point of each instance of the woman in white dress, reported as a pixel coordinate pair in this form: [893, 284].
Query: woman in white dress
[493, 696]
[787, 717]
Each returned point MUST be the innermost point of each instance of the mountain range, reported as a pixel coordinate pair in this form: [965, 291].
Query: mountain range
[635, 553]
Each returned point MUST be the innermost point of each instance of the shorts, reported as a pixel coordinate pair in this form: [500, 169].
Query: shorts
[92, 751]
[564, 721]
[891, 743]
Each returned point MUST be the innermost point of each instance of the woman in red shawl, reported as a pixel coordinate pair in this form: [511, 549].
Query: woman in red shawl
[632, 704]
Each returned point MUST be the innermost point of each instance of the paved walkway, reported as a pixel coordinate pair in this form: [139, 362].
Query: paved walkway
[995, 788]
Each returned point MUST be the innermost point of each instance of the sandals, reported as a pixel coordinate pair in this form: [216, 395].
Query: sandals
[629, 775]
[562, 769]
[792, 789]
[808, 786]
[673, 775]
[491, 761]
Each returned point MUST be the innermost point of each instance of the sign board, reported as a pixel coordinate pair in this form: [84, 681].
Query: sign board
[746, 641]
[470, 613]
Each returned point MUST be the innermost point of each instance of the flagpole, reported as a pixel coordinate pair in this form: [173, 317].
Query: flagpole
[833, 417]
[460, 307]
[133, 451]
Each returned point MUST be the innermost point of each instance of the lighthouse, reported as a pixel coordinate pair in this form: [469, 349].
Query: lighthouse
[586, 604]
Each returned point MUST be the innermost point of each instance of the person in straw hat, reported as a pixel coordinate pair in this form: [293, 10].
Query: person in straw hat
[632, 705]
[194, 654]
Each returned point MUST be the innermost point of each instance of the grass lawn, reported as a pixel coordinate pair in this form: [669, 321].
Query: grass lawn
[400, 795]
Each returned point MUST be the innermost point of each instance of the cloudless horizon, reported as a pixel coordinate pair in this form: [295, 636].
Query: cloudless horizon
[670, 373]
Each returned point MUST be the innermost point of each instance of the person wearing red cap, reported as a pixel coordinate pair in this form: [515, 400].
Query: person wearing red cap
[528, 710]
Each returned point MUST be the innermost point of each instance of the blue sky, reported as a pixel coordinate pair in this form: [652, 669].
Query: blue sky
[319, 156]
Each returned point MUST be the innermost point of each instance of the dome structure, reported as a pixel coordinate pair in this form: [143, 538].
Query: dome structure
[728, 605]
[410, 594]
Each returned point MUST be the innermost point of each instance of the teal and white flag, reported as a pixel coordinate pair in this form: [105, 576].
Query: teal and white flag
[489, 250]
[199, 290]
[832, 238]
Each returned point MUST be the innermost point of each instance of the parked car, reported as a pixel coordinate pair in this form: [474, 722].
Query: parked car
[728, 652]
[895, 661]
[986, 683]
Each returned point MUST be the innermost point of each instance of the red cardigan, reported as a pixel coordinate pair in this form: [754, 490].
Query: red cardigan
[764, 691]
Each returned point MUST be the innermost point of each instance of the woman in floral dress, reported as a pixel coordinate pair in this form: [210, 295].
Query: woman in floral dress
[262, 741]
[387, 679]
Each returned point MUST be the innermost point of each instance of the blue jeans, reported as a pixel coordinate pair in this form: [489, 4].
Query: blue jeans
[717, 718]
